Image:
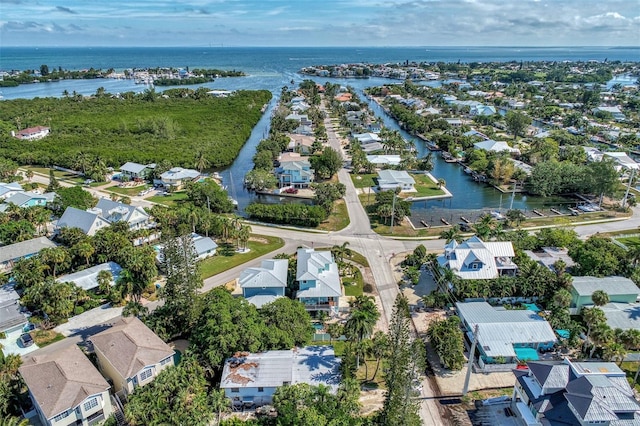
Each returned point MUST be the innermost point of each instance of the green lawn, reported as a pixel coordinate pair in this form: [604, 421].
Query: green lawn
[353, 286]
[364, 180]
[338, 219]
[169, 200]
[629, 241]
[227, 259]
[129, 191]
[425, 187]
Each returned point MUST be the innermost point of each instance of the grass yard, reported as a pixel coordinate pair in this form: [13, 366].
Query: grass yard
[629, 241]
[258, 245]
[425, 187]
[339, 347]
[630, 368]
[45, 337]
[129, 191]
[338, 219]
[364, 180]
[353, 286]
[169, 200]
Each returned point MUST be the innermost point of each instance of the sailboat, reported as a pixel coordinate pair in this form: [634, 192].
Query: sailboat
[233, 191]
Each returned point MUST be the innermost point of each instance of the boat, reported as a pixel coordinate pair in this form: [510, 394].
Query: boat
[468, 170]
[497, 215]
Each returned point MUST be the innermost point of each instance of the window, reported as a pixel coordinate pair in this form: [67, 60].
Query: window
[61, 416]
[166, 361]
[286, 383]
[260, 389]
[145, 374]
[235, 390]
[93, 402]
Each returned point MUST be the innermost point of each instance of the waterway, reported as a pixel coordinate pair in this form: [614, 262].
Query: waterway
[272, 69]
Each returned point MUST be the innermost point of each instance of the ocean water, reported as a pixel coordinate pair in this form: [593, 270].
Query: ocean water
[273, 68]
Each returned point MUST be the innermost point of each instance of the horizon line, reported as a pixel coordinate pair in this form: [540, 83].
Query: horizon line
[222, 46]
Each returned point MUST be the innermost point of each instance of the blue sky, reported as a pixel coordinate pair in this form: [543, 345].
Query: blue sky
[320, 23]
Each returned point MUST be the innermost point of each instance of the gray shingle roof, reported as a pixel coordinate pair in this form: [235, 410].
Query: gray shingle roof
[130, 346]
[62, 379]
[24, 248]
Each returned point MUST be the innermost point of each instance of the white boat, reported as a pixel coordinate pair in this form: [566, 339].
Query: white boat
[497, 215]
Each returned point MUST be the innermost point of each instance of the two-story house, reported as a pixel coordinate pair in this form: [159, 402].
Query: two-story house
[177, 177]
[552, 393]
[318, 279]
[264, 284]
[112, 211]
[475, 259]
[65, 387]
[134, 171]
[294, 170]
[87, 221]
[131, 355]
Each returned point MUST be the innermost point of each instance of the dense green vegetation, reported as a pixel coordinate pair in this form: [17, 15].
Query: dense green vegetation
[143, 128]
[289, 214]
[181, 81]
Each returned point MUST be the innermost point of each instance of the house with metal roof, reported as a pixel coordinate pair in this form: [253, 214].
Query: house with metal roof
[12, 253]
[87, 279]
[177, 177]
[548, 256]
[495, 146]
[318, 279]
[550, 393]
[131, 355]
[294, 171]
[251, 379]
[264, 284]
[11, 319]
[24, 199]
[113, 211]
[384, 160]
[474, 259]
[505, 335]
[205, 246]
[393, 179]
[136, 171]
[88, 222]
[619, 289]
[10, 188]
[65, 387]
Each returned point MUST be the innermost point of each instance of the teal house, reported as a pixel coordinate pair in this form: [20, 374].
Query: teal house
[619, 289]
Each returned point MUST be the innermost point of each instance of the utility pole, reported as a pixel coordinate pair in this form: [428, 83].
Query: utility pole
[393, 210]
[472, 352]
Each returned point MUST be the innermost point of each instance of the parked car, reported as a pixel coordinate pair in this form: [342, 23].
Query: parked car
[290, 191]
[26, 340]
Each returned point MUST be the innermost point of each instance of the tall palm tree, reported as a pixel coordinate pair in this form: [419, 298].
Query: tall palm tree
[379, 349]
[451, 234]
[201, 162]
[592, 317]
[601, 335]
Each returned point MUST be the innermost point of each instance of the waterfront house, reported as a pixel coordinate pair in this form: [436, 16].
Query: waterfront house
[318, 279]
[113, 211]
[204, 246]
[251, 379]
[177, 177]
[264, 284]
[294, 170]
[454, 122]
[480, 109]
[134, 171]
[131, 355]
[393, 179]
[475, 259]
[384, 160]
[88, 222]
[301, 144]
[505, 336]
[12, 253]
[551, 393]
[31, 133]
[87, 279]
[496, 146]
[65, 387]
[367, 138]
[302, 119]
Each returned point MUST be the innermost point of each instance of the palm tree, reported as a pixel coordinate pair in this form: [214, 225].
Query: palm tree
[243, 235]
[85, 249]
[600, 298]
[29, 175]
[601, 335]
[54, 257]
[201, 162]
[104, 282]
[379, 349]
[634, 254]
[592, 317]
[441, 183]
[134, 308]
[451, 234]
[335, 330]
[614, 351]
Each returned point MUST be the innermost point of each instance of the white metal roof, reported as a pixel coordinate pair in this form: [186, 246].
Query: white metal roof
[87, 279]
[585, 286]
